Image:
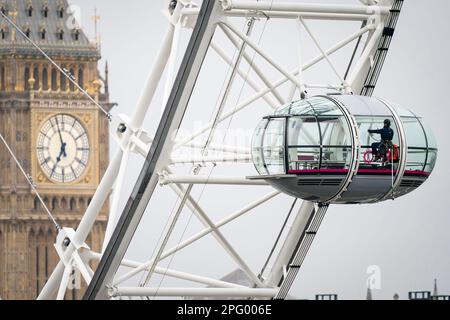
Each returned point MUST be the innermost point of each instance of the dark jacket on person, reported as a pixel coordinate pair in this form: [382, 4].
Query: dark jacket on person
[386, 133]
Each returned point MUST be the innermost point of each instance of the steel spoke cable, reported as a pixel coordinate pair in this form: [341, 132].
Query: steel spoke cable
[141, 283]
[230, 80]
[234, 111]
[263, 269]
[195, 169]
[172, 257]
[168, 234]
[248, 72]
[206, 146]
[30, 182]
[215, 113]
[64, 73]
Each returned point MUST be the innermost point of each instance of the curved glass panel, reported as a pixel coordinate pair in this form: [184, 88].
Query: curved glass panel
[312, 106]
[431, 160]
[336, 158]
[417, 144]
[415, 136]
[432, 148]
[364, 106]
[318, 143]
[301, 107]
[284, 109]
[376, 154]
[303, 143]
[257, 155]
[336, 143]
[432, 143]
[324, 107]
[273, 146]
[303, 158]
[303, 131]
[401, 111]
[415, 159]
[334, 130]
[374, 123]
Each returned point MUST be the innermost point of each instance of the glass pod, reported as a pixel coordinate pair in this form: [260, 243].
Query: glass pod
[331, 149]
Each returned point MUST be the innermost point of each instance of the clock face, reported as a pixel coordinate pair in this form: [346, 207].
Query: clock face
[63, 148]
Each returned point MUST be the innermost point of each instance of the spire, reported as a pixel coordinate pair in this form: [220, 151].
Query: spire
[13, 15]
[369, 293]
[435, 289]
[106, 77]
[96, 18]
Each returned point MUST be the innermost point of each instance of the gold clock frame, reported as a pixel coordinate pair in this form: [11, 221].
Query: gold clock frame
[89, 180]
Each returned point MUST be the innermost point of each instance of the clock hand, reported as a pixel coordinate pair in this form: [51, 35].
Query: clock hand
[59, 131]
[62, 152]
[58, 158]
[63, 149]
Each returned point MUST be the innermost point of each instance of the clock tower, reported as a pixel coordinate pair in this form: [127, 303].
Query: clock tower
[57, 134]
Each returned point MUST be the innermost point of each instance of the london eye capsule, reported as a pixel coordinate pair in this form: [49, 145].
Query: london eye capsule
[343, 149]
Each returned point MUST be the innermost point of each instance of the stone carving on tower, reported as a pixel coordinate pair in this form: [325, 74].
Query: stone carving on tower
[58, 135]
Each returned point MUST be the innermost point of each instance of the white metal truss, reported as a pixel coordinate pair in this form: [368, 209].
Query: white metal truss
[216, 27]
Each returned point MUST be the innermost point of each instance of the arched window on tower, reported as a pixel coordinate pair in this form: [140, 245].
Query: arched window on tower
[60, 34]
[64, 204]
[43, 33]
[45, 12]
[81, 77]
[71, 85]
[36, 203]
[76, 34]
[4, 10]
[81, 203]
[46, 261]
[72, 204]
[2, 79]
[54, 203]
[63, 82]
[26, 77]
[54, 79]
[28, 32]
[36, 78]
[44, 79]
[30, 11]
[2, 33]
[61, 12]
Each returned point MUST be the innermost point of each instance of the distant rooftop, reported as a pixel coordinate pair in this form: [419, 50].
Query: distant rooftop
[48, 23]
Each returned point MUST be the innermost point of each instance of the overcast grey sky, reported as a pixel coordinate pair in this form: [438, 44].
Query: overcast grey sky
[407, 238]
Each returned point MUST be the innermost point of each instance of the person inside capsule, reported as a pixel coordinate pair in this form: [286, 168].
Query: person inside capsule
[379, 149]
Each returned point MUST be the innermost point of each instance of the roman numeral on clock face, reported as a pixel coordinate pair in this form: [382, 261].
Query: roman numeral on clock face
[63, 148]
